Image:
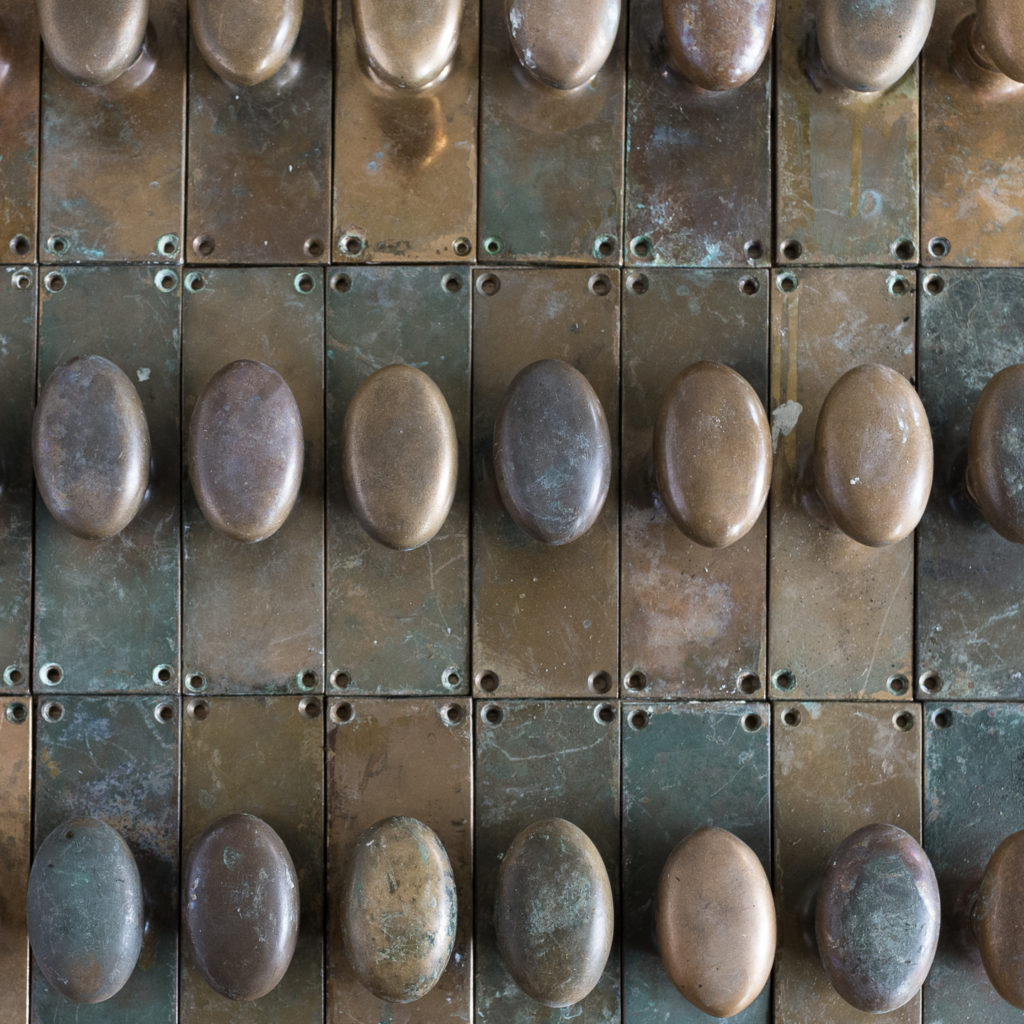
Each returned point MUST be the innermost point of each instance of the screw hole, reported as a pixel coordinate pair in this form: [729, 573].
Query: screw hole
[304, 283]
[898, 285]
[600, 284]
[493, 714]
[351, 245]
[934, 284]
[308, 679]
[638, 284]
[203, 245]
[22, 279]
[493, 245]
[748, 683]
[599, 682]
[604, 246]
[162, 674]
[16, 713]
[313, 247]
[53, 711]
[452, 678]
[639, 719]
[168, 245]
[343, 712]
[310, 707]
[641, 247]
[452, 283]
[54, 281]
[13, 675]
[487, 681]
[784, 679]
[51, 674]
[903, 720]
[751, 722]
[195, 282]
[605, 713]
[939, 247]
[904, 250]
[341, 283]
[462, 246]
[635, 681]
[791, 716]
[166, 280]
[488, 284]
[453, 713]
[57, 244]
[749, 285]
[787, 282]
[942, 719]
[163, 712]
[754, 249]
[20, 245]
[897, 684]
[195, 681]
[792, 249]
[198, 710]
[930, 682]
[340, 679]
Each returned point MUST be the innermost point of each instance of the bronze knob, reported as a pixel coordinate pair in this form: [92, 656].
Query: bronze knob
[91, 43]
[998, 919]
[988, 46]
[873, 455]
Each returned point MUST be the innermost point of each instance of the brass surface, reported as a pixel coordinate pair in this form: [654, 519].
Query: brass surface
[998, 919]
[1000, 28]
[92, 44]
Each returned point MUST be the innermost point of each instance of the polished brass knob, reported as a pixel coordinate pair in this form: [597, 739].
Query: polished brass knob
[715, 918]
[93, 43]
[997, 919]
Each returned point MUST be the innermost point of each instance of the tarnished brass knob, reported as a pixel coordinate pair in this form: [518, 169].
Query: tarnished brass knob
[93, 43]
[712, 454]
[873, 455]
[877, 918]
[988, 46]
[563, 43]
[998, 919]
[716, 922]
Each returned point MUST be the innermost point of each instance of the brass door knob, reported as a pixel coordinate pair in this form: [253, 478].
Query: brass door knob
[718, 45]
[873, 455]
[552, 452]
[988, 46]
[554, 915]
[715, 919]
[90, 448]
[997, 919]
[563, 43]
[400, 457]
[399, 909]
[245, 450]
[241, 906]
[90, 43]
[877, 918]
[245, 41]
[712, 454]
[85, 910]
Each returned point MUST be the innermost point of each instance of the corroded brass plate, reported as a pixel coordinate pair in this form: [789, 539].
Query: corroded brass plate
[411, 758]
[840, 621]
[693, 618]
[545, 619]
[253, 613]
[106, 611]
[397, 621]
[835, 768]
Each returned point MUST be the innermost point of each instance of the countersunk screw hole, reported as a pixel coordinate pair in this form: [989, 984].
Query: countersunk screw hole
[784, 679]
[638, 284]
[752, 722]
[600, 285]
[942, 719]
[904, 250]
[930, 682]
[453, 713]
[203, 245]
[749, 285]
[599, 682]
[343, 712]
[641, 247]
[341, 283]
[754, 249]
[13, 675]
[452, 283]
[462, 246]
[168, 245]
[639, 719]
[163, 712]
[20, 245]
[198, 710]
[54, 281]
[898, 285]
[605, 713]
[57, 244]
[493, 245]
[635, 681]
[16, 713]
[903, 720]
[934, 284]
[939, 247]
[487, 681]
[304, 283]
[340, 679]
[493, 714]
[308, 679]
[452, 678]
[748, 683]
[162, 674]
[310, 707]
[488, 284]
[22, 279]
[166, 280]
[195, 681]
[351, 245]
[897, 684]
[313, 247]
[787, 282]
[792, 249]
[195, 282]
[791, 716]
[51, 674]
[604, 246]
[53, 711]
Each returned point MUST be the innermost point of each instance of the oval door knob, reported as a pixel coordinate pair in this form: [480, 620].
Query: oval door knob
[715, 918]
[998, 919]
[563, 43]
[408, 43]
[553, 913]
[873, 455]
[245, 41]
[85, 910]
[245, 450]
[400, 457]
[241, 910]
[93, 43]
[718, 45]
[399, 909]
[712, 454]
[877, 918]
[90, 448]
[552, 452]
[868, 47]
[999, 29]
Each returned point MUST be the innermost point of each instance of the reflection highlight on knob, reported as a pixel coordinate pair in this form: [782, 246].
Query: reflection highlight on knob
[90, 43]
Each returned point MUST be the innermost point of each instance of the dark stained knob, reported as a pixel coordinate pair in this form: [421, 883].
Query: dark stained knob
[93, 43]
[552, 452]
[84, 910]
[877, 919]
[1000, 29]
[399, 909]
[998, 919]
[245, 450]
[716, 922]
[408, 43]
[553, 913]
[245, 41]
[563, 43]
[90, 448]
[400, 457]
[873, 455]
[241, 910]
[712, 454]
[718, 45]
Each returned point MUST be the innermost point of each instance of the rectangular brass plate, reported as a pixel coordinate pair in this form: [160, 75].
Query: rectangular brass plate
[698, 164]
[254, 613]
[840, 620]
[836, 767]
[112, 169]
[261, 756]
[846, 175]
[551, 161]
[545, 619]
[116, 759]
[557, 759]
[969, 642]
[684, 767]
[106, 612]
[400, 757]
[405, 161]
[259, 157]
[693, 618]
[397, 621]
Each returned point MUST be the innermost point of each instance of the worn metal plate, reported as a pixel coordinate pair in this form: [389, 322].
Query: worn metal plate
[840, 621]
[846, 183]
[835, 768]
[112, 169]
[551, 161]
[261, 756]
[698, 163]
[124, 590]
[116, 758]
[545, 619]
[684, 767]
[557, 759]
[254, 613]
[693, 618]
[397, 621]
[405, 162]
[400, 757]
[259, 158]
